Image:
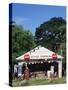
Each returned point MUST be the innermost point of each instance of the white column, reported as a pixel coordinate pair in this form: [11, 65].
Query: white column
[19, 69]
[60, 69]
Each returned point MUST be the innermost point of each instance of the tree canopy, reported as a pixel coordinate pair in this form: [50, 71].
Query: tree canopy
[51, 33]
[22, 41]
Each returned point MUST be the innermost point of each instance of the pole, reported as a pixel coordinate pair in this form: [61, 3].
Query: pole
[60, 67]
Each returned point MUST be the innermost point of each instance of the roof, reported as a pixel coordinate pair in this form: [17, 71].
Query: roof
[40, 53]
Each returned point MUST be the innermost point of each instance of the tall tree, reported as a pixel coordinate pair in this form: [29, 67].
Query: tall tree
[51, 33]
[22, 41]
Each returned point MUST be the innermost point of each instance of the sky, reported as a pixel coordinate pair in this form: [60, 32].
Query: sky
[30, 16]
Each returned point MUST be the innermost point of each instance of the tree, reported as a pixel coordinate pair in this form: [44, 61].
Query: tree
[22, 41]
[51, 33]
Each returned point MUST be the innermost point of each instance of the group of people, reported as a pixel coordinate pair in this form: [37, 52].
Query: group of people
[25, 72]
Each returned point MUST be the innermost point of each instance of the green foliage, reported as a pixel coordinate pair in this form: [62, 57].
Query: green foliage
[51, 33]
[22, 41]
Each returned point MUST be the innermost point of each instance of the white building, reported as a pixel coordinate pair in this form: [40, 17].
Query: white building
[39, 55]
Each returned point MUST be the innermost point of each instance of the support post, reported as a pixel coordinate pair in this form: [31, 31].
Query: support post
[60, 69]
[19, 69]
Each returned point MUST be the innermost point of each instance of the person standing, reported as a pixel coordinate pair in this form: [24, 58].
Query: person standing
[26, 73]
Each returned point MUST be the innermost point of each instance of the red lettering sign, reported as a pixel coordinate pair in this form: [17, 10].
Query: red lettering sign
[26, 57]
[54, 56]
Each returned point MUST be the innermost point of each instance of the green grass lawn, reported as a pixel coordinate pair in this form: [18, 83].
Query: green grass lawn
[38, 82]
